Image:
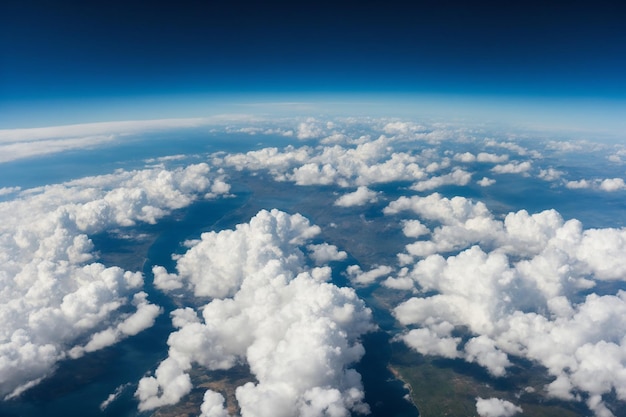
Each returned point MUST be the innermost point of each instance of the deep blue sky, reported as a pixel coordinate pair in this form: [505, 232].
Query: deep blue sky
[111, 49]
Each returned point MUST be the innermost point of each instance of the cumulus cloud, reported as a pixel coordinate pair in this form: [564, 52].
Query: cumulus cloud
[360, 197]
[607, 184]
[358, 277]
[56, 301]
[298, 333]
[456, 177]
[495, 407]
[486, 182]
[324, 253]
[309, 129]
[23, 143]
[512, 168]
[370, 162]
[550, 174]
[515, 285]
[612, 184]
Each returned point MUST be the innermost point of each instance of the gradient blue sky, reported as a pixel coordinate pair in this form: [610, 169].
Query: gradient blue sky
[77, 52]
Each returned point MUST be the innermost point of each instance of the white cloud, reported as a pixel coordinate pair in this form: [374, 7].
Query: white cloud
[491, 158]
[466, 157]
[56, 301]
[358, 277]
[456, 177]
[363, 164]
[310, 129]
[486, 182]
[427, 342]
[516, 291]
[213, 405]
[297, 332]
[607, 184]
[578, 184]
[512, 168]
[550, 174]
[324, 253]
[23, 143]
[414, 228]
[495, 407]
[360, 197]
[612, 184]
[9, 190]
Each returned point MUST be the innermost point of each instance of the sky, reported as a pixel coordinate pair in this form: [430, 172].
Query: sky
[71, 54]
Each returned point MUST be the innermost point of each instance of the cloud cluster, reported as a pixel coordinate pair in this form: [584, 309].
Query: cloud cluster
[358, 163]
[495, 407]
[360, 197]
[607, 184]
[515, 284]
[56, 301]
[298, 333]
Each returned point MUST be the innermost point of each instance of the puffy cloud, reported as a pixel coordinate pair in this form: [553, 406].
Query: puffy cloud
[213, 405]
[310, 129]
[517, 291]
[578, 184]
[550, 174]
[370, 162]
[357, 276]
[456, 177]
[23, 143]
[491, 158]
[512, 168]
[486, 182]
[495, 407]
[414, 228]
[427, 342]
[612, 184]
[360, 197]
[297, 332]
[324, 253]
[466, 157]
[56, 301]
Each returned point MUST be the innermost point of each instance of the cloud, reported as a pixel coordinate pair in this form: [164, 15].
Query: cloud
[23, 143]
[324, 253]
[578, 184]
[298, 333]
[607, 184]
[495, 407]
[512, 168]
[358, 277]
[360, 197]
[456, 177]
[414, 228]
[310, 129]
[371, 162]
[56, 301]
[9, 190]
[486, 182]
[612, 184]
[515, 285]
[491, 158]
[550, 174]
[213, 405]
